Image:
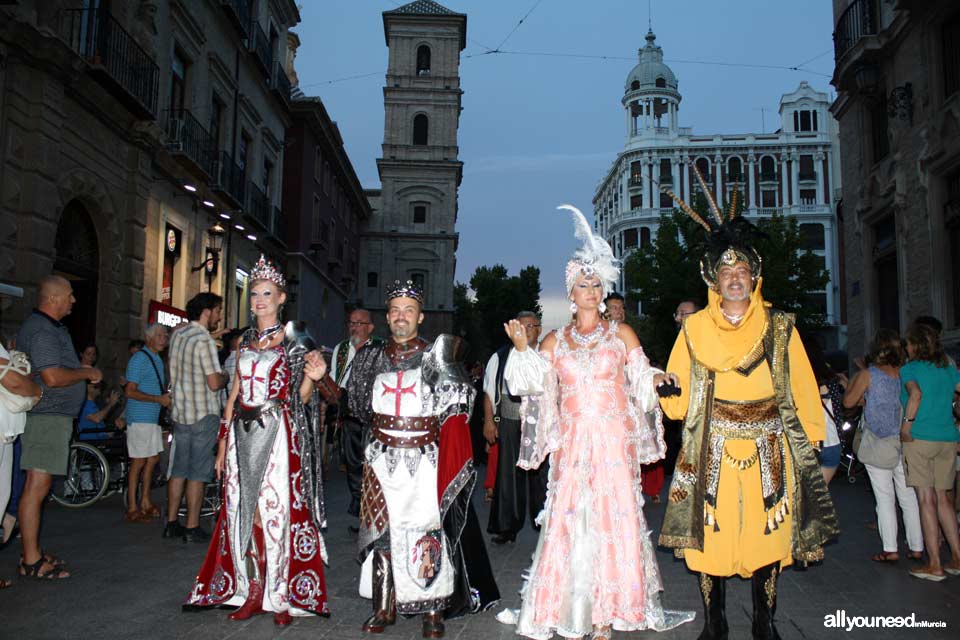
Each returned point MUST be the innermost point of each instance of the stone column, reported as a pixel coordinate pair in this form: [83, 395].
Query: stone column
[685, 169]
[751, 186]
[783, 178]
[717, 174]
[655, 185]
[818, 158]
[795, 183]
[645, 201]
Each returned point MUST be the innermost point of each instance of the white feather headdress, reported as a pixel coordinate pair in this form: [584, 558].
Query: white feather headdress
[594, 257]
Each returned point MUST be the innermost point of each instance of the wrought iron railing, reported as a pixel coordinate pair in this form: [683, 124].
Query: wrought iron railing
[186, 136]
[100, 40]
[260, 46]
[635, 181]
[280, 82]
[258, 206]
[859, 19]
[768, 176]
[240, 12]
[228, 177]
[807, 176]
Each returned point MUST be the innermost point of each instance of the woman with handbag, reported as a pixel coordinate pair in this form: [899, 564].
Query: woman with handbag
[18, 394]
[877, 388]
[930, 444]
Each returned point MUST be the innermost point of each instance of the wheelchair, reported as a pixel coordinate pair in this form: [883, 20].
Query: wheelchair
[96, 468]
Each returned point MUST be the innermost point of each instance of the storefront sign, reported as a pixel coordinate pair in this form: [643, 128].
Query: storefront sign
[165, 314]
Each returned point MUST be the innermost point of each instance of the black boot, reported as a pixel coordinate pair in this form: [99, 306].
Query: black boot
[433, 625]
[384, 599]
[713, 591]
[765, 602]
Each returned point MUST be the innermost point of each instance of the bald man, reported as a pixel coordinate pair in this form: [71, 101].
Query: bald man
[46, 438]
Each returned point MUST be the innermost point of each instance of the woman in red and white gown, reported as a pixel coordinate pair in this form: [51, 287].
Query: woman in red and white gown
[267, 552]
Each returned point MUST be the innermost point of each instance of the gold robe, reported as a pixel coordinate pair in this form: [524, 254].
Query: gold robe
[760, 359]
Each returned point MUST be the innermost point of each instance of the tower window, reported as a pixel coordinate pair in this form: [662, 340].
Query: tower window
[644, 236]
[419, 278]
[805, 123]
[372, 279]
[630, 239]
[661, 82]
[634, 85]
[423, 60]
[419, 213]
[420, 126]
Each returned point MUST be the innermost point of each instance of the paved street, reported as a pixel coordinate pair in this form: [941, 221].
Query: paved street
[128, 583]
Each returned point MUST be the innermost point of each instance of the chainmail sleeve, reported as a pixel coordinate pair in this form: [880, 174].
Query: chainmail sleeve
[308, 435]
[368, 362]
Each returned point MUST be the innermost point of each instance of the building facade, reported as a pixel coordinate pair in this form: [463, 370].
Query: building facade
[897, 77]
[411, 232]
[327, 208]
[128, 130]
[792, 171]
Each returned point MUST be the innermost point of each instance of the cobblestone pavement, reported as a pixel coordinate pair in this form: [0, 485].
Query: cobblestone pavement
[129, 583]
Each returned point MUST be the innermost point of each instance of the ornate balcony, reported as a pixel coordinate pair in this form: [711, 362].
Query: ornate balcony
[280, 83]
[807, 176]
[116, 59]
[239, 12]
[228, 178]
[260, 47]
[635, 182]
[859, 20]
[190, 141]
[258, 206]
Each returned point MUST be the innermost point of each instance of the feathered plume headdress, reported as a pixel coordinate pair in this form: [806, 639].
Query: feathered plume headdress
[593, 258]
[730, 237]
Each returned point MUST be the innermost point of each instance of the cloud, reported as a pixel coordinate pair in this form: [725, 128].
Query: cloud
[499, 164]
[556, 311]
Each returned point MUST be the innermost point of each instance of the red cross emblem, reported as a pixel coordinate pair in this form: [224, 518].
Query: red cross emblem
[399, 390]
[253, 377]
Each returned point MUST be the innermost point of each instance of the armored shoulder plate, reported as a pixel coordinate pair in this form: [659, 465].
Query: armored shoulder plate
[443, 360]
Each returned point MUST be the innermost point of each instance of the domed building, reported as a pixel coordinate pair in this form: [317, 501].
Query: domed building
[792, 171]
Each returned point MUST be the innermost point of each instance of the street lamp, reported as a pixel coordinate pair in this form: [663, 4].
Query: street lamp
[215, 235]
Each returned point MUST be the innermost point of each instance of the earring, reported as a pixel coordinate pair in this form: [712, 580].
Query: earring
[603, 307]
[573, 307]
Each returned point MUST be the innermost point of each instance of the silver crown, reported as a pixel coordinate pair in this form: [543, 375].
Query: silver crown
[404, 290]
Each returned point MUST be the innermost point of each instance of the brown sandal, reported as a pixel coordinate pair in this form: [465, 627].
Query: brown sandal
[151, 513]
[135, 516]
[886, 556]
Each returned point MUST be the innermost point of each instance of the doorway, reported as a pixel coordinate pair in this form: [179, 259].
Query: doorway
[78, 260]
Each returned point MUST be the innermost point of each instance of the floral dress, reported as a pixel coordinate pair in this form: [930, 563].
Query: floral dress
[594, 410]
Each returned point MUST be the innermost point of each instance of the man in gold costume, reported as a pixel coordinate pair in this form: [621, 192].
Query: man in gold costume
[747, 496]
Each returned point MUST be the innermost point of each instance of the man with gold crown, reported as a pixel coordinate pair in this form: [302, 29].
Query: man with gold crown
[419, 541]
[747, 496]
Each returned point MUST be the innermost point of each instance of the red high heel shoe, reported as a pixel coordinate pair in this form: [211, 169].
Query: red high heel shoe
[282, 618]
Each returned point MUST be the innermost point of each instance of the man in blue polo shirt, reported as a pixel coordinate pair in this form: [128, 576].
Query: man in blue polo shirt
[46, 439]
[146, 391]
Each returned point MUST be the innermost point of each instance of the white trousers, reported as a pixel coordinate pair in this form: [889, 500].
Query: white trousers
[890, 487]
[6, 475]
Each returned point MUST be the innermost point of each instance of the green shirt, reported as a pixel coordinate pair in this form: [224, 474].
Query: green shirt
[934, 419]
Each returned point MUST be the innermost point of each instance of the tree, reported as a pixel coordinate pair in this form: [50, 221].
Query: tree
[497, 298]
[667, 271]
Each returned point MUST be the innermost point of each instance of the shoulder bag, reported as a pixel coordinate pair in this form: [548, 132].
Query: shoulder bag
[875, 451]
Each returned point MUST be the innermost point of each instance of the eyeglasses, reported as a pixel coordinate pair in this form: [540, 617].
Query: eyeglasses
[357, 324]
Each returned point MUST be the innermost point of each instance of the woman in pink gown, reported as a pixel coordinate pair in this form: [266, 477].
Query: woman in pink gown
[590, 403]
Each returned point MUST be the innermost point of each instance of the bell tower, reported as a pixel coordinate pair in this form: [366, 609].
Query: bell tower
[411, 234]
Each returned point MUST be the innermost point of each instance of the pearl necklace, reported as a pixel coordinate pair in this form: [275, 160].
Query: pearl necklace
[268, 333]
[732, 318]
[584, 340]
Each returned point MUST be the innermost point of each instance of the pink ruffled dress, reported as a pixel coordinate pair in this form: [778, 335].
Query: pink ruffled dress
[594, 410]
